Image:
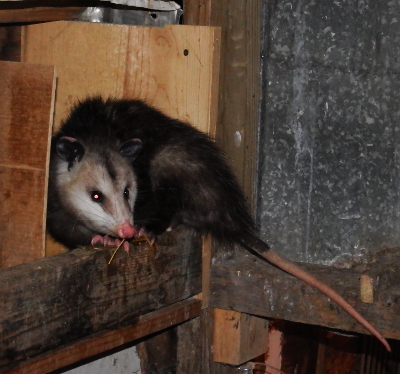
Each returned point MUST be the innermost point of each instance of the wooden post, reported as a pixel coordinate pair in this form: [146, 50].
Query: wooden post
[239, 93]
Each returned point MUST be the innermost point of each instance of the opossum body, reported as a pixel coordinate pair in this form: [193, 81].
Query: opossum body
[121, 167]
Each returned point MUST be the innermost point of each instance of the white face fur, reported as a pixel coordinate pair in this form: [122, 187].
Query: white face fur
[100, 193]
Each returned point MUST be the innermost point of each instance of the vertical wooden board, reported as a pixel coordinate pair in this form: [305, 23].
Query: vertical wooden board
[239, 94]
[174, 68]
[26, 103]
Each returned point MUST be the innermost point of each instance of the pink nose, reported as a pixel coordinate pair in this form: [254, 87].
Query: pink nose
[126, 231]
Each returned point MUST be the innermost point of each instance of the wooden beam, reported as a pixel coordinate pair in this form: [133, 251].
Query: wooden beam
[238, 337]
[108, 339]
[276, 294]
[39, 14]
[60, 299]
[239, 86]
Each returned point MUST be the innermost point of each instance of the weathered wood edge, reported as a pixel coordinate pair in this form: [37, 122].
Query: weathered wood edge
[109, 339]
[57, 300]
[244, 283]
[38, 14]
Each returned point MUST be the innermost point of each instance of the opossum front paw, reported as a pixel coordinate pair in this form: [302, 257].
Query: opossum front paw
[150, 235]
[109, 241]
[105, 240]
[97, 239]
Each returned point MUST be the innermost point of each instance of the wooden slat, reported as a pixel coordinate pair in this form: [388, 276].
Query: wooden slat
[57, 300]
[39, 14]
[276, 294]
[26, 103]
[106, 340]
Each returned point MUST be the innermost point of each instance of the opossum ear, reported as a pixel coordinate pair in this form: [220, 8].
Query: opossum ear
[131, 148]
[69, 150]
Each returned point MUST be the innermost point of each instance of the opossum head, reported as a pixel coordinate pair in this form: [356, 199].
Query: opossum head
[97, 184]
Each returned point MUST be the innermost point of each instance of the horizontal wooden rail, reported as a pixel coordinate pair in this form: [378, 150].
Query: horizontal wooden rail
[109, 339]
[57, 300]
[15, 14]
[247, 284]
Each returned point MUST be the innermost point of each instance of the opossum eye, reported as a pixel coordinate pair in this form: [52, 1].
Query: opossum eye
[126, 193]
[97, 196]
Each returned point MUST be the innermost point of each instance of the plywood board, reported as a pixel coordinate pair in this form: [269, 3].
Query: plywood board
[174, 68]
[26, 103]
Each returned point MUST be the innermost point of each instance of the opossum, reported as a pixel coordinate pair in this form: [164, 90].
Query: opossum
[121, 168]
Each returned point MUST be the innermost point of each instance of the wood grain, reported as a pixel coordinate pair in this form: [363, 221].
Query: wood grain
[239, 93]
[238, 337]
[108, 339]
[57, 300]
[275, 294]
[171, 67]
[26, 103]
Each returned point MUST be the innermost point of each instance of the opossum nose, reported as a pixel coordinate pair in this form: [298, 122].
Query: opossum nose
[126, 230]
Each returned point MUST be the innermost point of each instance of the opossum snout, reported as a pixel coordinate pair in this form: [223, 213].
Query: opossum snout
[126, 230]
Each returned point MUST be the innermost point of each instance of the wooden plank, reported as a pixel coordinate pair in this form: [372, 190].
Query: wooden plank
[299, 348]
[239, 93]
[38, 14]
[158, 354]
[339, 354]
[276, 294]
[172, 68]
[57, 300]
[26, 103]
[182, 350]
[238, 337]
[195, 338]
[106, 340]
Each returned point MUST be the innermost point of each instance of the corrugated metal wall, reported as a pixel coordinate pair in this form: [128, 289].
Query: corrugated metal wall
[330, 128]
